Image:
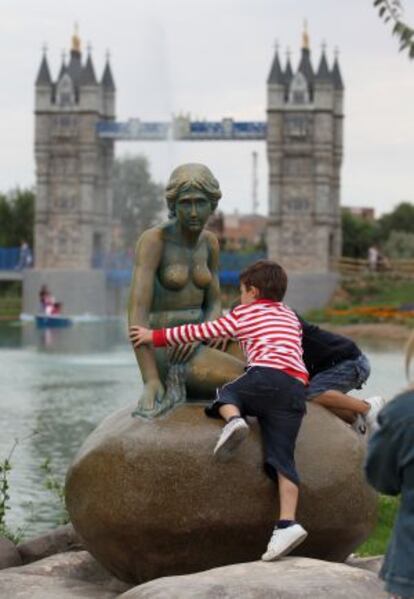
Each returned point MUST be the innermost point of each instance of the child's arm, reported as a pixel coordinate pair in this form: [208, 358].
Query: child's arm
[222, 328]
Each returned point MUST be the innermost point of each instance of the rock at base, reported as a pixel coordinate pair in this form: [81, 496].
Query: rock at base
[60, 539]
[64, 576]
[9, 555]
[290, 578]
[149, 500]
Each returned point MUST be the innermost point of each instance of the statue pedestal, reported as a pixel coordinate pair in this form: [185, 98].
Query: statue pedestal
[149, 499]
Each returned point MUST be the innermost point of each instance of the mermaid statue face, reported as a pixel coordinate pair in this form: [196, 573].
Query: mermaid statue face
[192, 195]
[192, 209]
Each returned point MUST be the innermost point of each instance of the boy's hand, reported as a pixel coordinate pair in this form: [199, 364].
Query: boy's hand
[140, 336]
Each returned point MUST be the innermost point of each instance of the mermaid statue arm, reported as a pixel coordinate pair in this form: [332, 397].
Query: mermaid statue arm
[213, 308]
[147, 257]
[212, 305]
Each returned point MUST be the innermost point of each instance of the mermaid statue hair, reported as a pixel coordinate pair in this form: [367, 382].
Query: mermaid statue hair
[191, 176]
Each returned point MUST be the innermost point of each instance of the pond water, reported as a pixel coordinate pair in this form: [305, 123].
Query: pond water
[57, 385]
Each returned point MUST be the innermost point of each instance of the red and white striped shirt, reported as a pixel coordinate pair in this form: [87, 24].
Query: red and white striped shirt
[269, 334]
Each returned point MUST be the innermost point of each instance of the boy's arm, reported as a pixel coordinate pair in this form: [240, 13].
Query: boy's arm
[221, 328]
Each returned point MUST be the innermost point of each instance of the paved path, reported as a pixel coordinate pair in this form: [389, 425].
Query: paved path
[11, 275]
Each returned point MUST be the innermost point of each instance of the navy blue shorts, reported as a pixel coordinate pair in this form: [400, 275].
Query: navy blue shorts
[277, 400]
[345, 376]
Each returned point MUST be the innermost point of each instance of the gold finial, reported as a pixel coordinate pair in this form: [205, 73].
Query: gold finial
[305, 36]
[76, 43]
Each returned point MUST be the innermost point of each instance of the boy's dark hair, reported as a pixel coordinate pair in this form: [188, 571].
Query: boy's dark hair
[269, 278]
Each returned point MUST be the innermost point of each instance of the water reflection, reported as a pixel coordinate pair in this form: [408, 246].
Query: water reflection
[61, 390]
[63, 386]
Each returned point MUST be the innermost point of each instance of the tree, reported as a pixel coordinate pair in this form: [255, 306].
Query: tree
[138, 201]
[357, 235]
[17, 217]
[400, 219]
[399, 245]
[392, 10]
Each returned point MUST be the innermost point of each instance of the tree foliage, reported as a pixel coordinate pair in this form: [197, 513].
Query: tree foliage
[17, 217]
[400, 219]
[357, 235]
[399, 244]
[392, 10]
[138, 201]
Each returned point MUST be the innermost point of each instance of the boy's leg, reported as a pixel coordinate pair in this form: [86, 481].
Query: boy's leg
[344, 406]
[288, 497]
[332, 399]
[329, 388]
[228, 405]
[350, 408]
[280, 415]
[228, 411]
[233, 433]
[345, 415]
[287, 533]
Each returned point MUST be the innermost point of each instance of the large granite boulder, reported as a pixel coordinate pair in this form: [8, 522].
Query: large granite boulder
[60, 539]
[9, 554]
[149, 500]
[290, 578]
[70, 575]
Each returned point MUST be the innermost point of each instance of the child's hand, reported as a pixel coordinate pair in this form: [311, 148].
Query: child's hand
[140, 336]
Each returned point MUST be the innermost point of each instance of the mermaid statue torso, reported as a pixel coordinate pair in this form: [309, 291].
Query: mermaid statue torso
[175, 281]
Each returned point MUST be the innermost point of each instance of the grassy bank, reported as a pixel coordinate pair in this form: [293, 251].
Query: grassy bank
[370, 298]
[378, 541]
[10, 300]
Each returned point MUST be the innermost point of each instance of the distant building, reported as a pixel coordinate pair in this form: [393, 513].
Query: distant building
[363, 212]
[304, 146]
[239, 231]
[73, 216]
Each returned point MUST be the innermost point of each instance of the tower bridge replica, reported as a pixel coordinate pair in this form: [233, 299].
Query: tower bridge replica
[75, 133]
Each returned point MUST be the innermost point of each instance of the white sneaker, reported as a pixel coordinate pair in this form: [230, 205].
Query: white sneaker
[360, 424]
[283, 541]
[376, 403]
[233, 433]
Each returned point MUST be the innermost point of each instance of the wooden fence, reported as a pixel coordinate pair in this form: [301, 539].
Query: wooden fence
[355, 266]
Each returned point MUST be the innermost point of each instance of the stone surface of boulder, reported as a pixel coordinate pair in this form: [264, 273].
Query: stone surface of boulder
[372, 563]
[9, 555]
[289, 578]
[61, 538]
[71, 575]
[149, 499]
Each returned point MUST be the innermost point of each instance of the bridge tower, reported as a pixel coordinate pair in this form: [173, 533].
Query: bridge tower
[73, 214]
[304, 146]
[73, 165]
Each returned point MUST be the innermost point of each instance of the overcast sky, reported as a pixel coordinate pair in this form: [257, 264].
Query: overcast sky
[211, 58]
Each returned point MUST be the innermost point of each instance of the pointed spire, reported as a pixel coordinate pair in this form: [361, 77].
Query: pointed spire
[43, 76]
[305, 36]
[107, 81]
[336, 74]
[63, 66]
[323, 73]
[76, 42]
[288, 69]
[305, 65]
[276, 73]
[87, 76]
